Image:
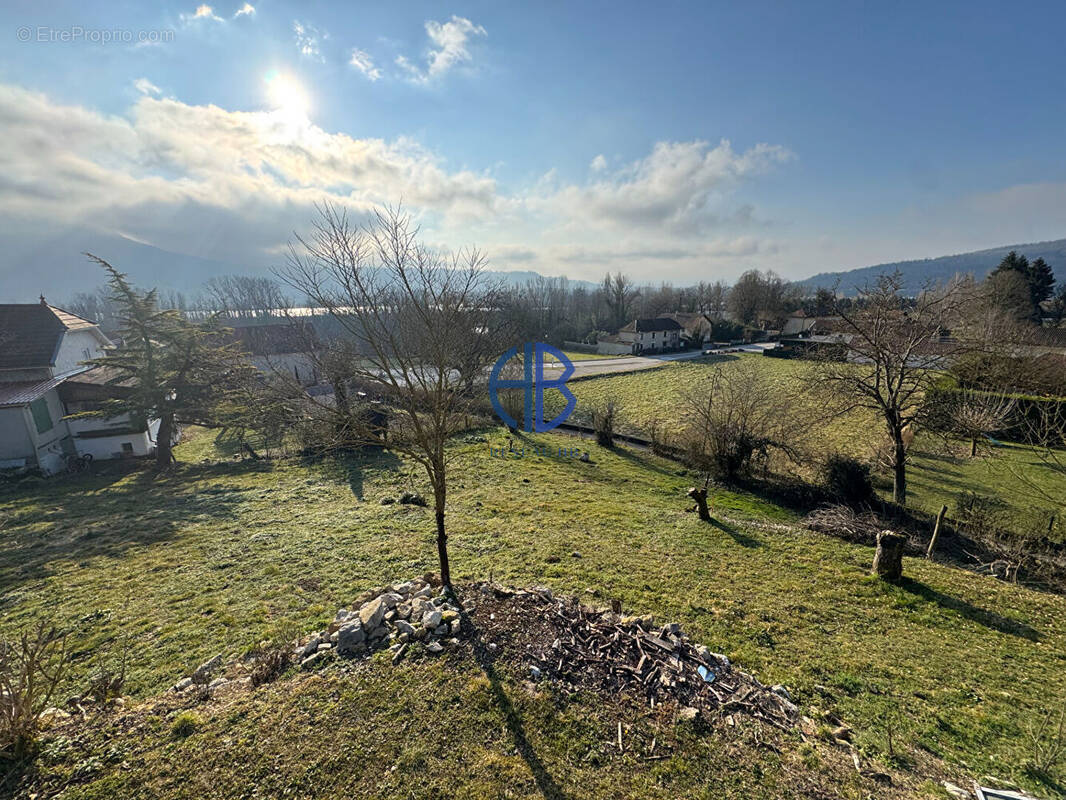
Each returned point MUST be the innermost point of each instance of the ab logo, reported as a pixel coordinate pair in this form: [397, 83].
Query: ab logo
[533, 383]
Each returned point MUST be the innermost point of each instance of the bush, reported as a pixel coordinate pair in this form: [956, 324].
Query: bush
[185, 724]
[604, 420]
[31, 668]
[848, 481]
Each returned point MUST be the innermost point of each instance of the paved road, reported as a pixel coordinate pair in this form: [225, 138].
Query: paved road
[606, 366]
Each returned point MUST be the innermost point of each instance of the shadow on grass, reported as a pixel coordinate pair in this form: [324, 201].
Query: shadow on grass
[739, 536]
[94, 516]
[546, 784]
[351, 467]
[982, 616]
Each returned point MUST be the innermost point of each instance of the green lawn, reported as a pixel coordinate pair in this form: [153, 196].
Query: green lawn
[656, 396]
[219, 556]
[939, 471]
[1030, 485]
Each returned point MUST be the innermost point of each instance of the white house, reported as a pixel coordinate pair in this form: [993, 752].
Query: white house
[43, 379]
[654, 335]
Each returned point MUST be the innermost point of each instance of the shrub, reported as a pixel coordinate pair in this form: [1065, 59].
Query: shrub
[185, 724]
[1047, 741]
[31, 668]
[848, 481]
[271, 664]
[604, 420]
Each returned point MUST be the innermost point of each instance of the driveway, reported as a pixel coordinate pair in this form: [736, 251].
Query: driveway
[607, 366]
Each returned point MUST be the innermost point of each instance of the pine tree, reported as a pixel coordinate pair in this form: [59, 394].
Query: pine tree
[171, 369]
[1041, 282]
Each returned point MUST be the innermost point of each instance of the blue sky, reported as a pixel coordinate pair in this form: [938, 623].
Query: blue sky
[677, 141]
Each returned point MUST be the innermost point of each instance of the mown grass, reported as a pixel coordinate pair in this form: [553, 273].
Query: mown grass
[939, 469]
[1030, 485]
[216, 557]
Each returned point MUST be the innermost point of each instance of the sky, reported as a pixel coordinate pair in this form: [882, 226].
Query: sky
[672, 141]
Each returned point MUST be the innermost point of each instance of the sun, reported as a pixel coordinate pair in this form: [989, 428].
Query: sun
[288, 98]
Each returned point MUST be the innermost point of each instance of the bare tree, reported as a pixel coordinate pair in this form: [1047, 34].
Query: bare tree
[619, 293]
[895, 347]
[737, 419]
[244, 295]
[419, 320]
[978, 415]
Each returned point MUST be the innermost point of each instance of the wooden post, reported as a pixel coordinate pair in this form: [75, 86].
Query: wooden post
[936, 531]
[888, 561]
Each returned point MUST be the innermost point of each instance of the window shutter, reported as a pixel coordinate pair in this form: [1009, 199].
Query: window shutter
[41, 418]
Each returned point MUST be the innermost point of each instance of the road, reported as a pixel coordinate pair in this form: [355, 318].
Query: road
[606, 366]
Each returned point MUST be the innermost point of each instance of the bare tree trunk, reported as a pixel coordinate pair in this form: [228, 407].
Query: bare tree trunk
[700, 496]
[973, 446]
[439, 501]
[164, 452]
[899, 465]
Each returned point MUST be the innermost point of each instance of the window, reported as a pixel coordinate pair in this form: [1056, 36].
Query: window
[87, 353]
[41, 417]
[127, 447]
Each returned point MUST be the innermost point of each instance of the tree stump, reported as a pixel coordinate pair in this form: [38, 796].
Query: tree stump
[888, 561]
[700, 496]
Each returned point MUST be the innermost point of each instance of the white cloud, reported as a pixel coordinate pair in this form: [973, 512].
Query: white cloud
[244, 180]
[202, 12]
[362, 61]
[308, 38]
[145, 86]
[448, 48]
[682, 187]
[246, 10]
[598, 163]
[167, 168]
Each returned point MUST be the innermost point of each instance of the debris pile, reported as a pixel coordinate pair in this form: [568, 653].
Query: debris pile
[396, 615]
[609, 653]
[550, 638]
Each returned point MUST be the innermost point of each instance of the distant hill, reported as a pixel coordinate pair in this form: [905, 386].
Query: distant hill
[53, 264]
[917, 273]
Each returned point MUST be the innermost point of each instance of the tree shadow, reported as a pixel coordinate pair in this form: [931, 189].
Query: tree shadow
[546, 784]
[982, 616]
[351, 467]
[93, 516]
[741, 538]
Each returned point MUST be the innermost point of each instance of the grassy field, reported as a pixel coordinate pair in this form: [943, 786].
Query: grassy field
[218, 556]
[939, 470]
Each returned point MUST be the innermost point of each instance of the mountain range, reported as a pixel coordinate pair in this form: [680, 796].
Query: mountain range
[918, 273]
[53, 264]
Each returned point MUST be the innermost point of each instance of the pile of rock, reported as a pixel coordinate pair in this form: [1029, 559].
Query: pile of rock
[203, 676]
[395, 615]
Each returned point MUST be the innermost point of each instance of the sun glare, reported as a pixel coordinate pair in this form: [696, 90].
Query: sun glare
[287, 96]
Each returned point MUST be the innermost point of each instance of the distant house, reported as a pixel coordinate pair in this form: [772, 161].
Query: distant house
[651, 335]
[284, 348]
[696, 329]
[800, 323]
[42, 380]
